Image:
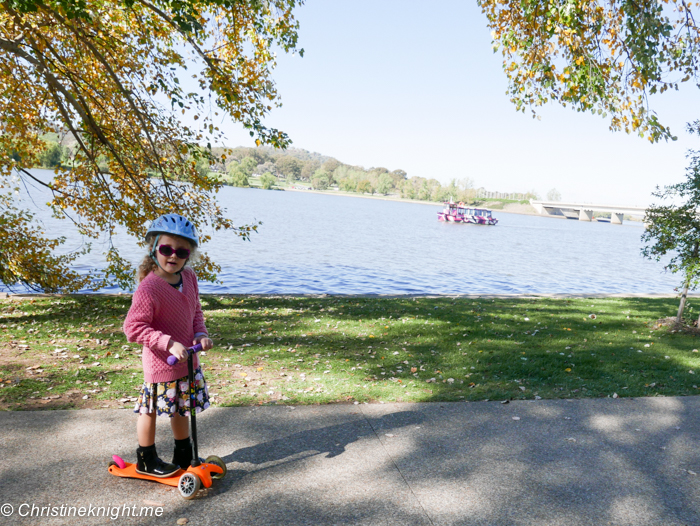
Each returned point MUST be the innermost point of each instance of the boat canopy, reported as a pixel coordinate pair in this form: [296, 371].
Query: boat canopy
[462, 210]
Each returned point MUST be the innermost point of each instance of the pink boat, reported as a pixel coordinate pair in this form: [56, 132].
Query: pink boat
[461, 213]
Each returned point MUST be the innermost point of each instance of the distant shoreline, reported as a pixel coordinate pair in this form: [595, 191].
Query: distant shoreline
[508, 208]
[522, 207]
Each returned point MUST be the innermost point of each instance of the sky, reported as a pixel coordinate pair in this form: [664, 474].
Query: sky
[416, 85]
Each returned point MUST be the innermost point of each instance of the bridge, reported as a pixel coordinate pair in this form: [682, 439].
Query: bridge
[585, 210]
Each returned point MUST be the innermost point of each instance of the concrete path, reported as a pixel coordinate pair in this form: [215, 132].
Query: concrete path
[600, 462]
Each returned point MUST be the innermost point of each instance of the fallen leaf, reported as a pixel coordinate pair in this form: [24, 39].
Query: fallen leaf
[154, 503]
[182, 521]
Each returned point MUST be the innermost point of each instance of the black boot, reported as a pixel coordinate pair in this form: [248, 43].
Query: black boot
[182, 456]
[148, 463]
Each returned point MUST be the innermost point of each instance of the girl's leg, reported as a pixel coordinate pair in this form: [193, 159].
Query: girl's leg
[182, 455]
[146, 429]
[147, 456]
[180, 426]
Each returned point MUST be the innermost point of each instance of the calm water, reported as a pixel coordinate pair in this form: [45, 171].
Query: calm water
[311, 243]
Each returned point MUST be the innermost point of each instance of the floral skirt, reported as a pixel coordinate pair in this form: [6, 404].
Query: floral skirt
[168, 398]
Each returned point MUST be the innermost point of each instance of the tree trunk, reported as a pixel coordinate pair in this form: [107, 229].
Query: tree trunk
[688, 279]
[679, 317]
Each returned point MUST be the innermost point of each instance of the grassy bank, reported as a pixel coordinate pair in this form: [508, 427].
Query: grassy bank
[67, 352]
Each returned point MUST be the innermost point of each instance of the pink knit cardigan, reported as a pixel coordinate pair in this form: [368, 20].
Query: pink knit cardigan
[159, 313]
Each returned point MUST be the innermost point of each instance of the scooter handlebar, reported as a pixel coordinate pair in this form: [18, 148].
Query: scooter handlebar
[172, 360]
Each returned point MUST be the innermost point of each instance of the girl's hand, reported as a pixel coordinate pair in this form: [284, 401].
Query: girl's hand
[177, 350]
[206, 342]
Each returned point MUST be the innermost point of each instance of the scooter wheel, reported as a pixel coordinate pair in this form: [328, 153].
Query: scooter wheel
[213, 459]
[118, 461]
[188, 485]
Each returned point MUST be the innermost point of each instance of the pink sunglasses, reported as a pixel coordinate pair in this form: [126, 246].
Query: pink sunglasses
[167, 251]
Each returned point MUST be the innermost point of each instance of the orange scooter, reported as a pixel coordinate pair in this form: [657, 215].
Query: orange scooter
[198, 474]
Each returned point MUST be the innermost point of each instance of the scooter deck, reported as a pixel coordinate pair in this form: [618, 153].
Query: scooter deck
[203, 471]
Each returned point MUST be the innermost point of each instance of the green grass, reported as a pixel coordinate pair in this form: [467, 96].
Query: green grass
[344, 349]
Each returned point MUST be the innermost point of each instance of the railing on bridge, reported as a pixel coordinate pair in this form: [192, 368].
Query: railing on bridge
[585, 210]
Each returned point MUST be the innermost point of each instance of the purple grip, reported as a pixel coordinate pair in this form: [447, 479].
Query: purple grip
[172, 360]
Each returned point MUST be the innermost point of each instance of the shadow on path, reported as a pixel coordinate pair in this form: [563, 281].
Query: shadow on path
[331, 440]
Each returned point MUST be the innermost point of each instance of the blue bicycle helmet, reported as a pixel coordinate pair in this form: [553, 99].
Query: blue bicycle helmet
[176, 225]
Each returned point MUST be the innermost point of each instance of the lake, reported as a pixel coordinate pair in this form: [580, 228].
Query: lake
[316, 243]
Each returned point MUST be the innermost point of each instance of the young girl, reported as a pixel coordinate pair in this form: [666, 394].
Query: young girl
[166, 318]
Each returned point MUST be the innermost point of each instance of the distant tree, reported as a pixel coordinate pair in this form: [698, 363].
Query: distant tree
[364, 187]
[267, 166]
[553, 195]
[248, 165]
[452, 191]
[289, 167]
[238, 178]
[203, 167]
[425, 191]
[261, 155]
[52, 156]
[342, 175]
[348, 184]
[320, 180]
[407, 189]
[398, 176]
[466, 183]
[307, 171]
[439, 193]
[330, 166]
[674, 228]
[268, 181]
[385, 184]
